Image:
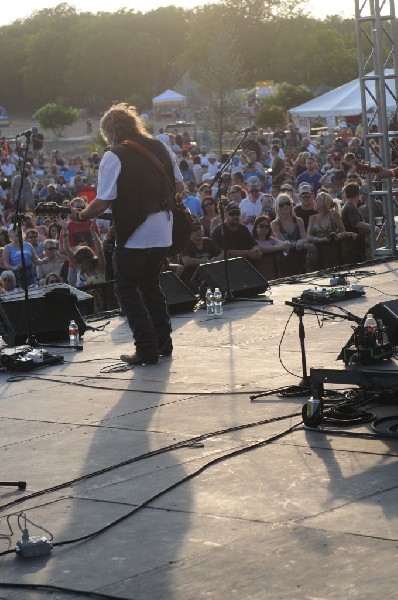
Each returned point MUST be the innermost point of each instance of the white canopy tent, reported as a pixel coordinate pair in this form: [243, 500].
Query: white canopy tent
[167, 103]
[343, 101]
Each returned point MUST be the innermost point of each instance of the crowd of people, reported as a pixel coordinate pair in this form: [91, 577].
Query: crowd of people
[283, 195]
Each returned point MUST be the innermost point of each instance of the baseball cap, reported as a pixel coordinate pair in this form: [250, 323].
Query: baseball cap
[286, 186]
[253, 182]
[231, 207]
[336, 155]
[305, 188]
[211, 155]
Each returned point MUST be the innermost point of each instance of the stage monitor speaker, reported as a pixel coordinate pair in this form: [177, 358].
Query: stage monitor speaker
[244, 279]
[51, 308]
[388, 313]
[178, 295]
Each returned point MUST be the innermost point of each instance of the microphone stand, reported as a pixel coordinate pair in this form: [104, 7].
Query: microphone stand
[18, 219]
[217, 179]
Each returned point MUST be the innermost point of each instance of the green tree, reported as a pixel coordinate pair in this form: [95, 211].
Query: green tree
[287, 96]
[56, 117]
[270, 116]
[218, 103]
[265, 10]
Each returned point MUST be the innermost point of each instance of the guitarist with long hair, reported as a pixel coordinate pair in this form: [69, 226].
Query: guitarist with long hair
[138, 177]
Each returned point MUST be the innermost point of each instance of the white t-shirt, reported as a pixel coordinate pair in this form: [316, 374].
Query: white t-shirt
[250, 209]
[156, 231]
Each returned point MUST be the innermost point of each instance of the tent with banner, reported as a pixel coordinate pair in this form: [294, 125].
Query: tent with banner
[169, 104]
[342, 102]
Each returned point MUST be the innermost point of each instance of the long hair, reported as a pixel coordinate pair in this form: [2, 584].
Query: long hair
[122, 122]
[258, 220]
[284, 198]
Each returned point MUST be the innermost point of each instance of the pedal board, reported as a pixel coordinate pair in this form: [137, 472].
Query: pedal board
[26, 358]
[330, 295]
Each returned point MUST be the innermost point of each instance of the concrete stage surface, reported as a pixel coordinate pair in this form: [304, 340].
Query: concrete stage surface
[311, 515]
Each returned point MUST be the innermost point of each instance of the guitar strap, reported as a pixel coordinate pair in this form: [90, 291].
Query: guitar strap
[154, 160]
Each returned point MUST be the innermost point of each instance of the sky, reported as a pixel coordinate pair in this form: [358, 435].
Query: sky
[12, 11]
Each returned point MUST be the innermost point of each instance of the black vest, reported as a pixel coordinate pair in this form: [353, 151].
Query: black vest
[141, 187]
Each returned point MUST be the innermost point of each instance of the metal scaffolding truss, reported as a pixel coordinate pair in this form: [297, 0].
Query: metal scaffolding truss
[377, 65]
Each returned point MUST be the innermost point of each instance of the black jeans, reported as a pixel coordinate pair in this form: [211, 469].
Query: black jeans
[141, 299]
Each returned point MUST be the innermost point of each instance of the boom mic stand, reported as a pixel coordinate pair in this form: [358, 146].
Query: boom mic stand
[31, 340]
[217, 179]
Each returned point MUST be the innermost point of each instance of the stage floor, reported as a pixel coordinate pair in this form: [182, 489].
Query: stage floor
[220, 513]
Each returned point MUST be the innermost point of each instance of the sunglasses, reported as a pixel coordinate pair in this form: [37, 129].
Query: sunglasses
[284, 204]
[208, 204]
[234, 213]
[264, 224]
[305, 195]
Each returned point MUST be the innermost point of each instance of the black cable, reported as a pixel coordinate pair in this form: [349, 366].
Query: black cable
[58, 588]
[176, 484]
[22, 377]
[129, 461]
[188, 477]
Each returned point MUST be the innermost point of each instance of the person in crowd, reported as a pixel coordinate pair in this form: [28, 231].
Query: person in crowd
[251, 206]
[306, 208]
[27, 201]
[54, 231]
[8, 281]
[300, 164]
[79, 233]
[13, 261]
[90, 265]
[51, 279]
[288, 227]
[311, 175]
[53, 195]
[237, 239]
[278, 166]
[186, 171]
[268, 206]
[142, 224]
[326, 225]
[54, 264]
[33, 237]
[262, 234]
[197, 169]
[210, 211]
[363, 205]
[353, 220]
[199, 250]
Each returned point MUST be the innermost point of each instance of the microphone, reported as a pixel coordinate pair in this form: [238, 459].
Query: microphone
[248, 129]
[28, 132]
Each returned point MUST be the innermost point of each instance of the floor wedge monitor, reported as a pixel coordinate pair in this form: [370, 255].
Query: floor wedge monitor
[244, 279]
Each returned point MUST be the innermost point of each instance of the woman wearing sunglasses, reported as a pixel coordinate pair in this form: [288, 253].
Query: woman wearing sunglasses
[288, 227]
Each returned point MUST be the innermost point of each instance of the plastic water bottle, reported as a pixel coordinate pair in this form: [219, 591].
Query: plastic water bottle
[73, 334]
[209, 302]
[217, 303]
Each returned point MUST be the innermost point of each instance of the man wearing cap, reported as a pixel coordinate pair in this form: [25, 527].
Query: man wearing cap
[306, 207]
[311, 175]
[251, 205]
[239, 242]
